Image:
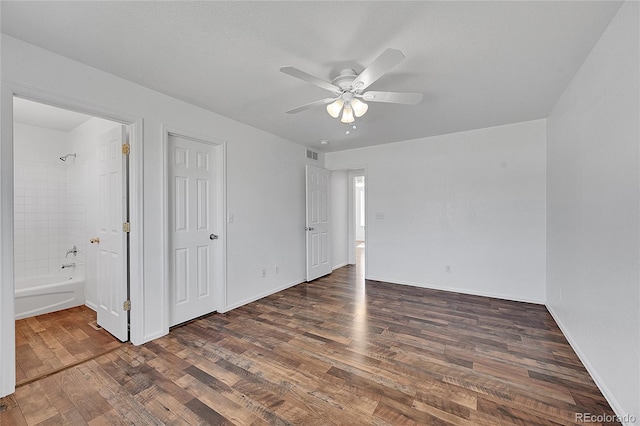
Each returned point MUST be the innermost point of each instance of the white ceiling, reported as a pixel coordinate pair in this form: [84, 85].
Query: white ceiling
[37, 114]
[479, 64]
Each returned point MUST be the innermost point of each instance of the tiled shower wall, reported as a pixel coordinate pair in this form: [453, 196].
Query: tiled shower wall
[39, 218]
[56, 202]
[44, 199]
[76, 213]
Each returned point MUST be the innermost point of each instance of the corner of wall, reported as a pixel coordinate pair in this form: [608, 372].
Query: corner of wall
[593, 248]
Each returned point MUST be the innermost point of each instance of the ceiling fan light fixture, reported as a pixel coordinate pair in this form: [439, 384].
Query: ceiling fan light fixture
[359, 107]
[335, 107]
[347, 114]
[349, 88]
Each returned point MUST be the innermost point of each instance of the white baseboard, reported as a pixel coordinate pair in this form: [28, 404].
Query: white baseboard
[260, 296]
[590, 369]
[461, 290]
[146, 338]
[339, 266]
[150, 337]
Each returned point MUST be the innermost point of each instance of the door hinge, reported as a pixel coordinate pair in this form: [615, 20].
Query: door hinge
[126, 227]
[126, 305]
[126, 148]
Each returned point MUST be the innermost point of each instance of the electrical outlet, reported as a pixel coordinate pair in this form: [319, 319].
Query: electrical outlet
[230, 218]
[448, 269]
[264, 273]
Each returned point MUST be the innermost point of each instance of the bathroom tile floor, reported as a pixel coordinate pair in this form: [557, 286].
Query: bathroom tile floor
[48, 343]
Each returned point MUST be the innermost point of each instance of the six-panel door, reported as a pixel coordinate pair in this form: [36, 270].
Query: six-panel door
[193, 241]
[112, 245]
[318, 227]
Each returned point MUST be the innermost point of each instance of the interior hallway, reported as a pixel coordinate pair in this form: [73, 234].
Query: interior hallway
[332, 351]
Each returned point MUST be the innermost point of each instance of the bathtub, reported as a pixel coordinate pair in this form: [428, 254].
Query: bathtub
[41, 295]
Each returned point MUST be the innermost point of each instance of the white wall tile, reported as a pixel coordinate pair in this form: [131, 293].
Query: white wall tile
[40, 192]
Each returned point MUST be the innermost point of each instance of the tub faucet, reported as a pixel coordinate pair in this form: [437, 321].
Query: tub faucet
[68, 265]
[74, 250]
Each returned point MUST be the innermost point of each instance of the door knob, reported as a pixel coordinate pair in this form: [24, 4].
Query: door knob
[95, 240]
[309, 228]
[213, 237]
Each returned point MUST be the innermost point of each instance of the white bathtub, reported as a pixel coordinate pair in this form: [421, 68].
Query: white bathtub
[41, 295]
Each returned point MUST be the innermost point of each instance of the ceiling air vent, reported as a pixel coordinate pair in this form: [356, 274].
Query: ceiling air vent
[312, 154]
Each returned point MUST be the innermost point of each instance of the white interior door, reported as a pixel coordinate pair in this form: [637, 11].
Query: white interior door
[194, 245]
[318, 228]
[112, 244]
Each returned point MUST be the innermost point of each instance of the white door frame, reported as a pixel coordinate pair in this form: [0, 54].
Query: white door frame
[351, 176]
[352, 172]
[221, 171]
[7, 286]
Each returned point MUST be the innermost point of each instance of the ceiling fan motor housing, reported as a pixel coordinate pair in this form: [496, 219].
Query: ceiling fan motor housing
[345, 79]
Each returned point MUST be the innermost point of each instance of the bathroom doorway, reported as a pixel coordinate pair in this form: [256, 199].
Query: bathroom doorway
[70, 194]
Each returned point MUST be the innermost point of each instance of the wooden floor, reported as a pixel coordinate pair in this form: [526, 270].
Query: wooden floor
[333, 351]
[49, 343]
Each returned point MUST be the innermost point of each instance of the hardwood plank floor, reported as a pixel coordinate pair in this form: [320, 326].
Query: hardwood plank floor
[333, 351]
[52, 342]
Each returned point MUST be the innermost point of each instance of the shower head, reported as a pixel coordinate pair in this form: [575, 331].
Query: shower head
[64, 157]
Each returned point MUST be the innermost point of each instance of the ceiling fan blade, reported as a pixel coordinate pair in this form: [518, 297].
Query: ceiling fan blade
[311, 105]
[383, 63]
[295, 72]
[393, 97]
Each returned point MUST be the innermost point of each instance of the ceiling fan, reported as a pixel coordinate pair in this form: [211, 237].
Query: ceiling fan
[348, 88]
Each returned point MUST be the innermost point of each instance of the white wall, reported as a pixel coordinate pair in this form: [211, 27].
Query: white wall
[266, 196]
[339, 203]
[473, 200]
[593, 276]
[265, 186]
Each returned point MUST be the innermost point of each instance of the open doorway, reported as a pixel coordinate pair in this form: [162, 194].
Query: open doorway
[356, 213]
[359, 222]
[349, 216]
[70, 239]
[359, 219]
